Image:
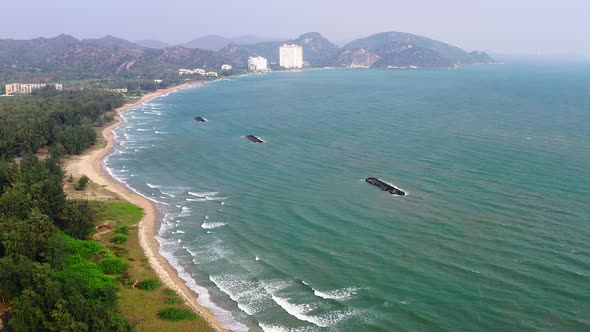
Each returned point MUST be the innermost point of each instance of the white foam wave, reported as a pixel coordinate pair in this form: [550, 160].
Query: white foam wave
[204, 194]
[141, 129]
[279, 328]
[298, 311]
[244, 290]
[225, 317]
[196, 199]
[185, 212]
[212, 225]
[338, 294]
[153, 186]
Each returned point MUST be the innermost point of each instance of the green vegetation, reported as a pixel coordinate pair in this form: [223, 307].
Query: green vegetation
[113, 265]
[60, 120]
[175, 314]
[82, 182]
[122, 230]
[149, 284]
[80, 219]
[120, 239]
[52, 281]
[138, 306]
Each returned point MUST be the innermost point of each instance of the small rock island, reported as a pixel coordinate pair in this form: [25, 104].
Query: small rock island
[254, 139]
[199, 119]
[385, 186]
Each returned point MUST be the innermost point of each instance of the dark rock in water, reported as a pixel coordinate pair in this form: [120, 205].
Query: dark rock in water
[200, 119]
[385, 186]
[254, 139]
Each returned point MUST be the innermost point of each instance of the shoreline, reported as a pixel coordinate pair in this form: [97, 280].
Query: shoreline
[91, 164]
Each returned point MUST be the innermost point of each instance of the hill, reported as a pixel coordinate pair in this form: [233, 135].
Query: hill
[151, 43]
[317, 50]
[404, 49]
[216, 42]
[65, 57]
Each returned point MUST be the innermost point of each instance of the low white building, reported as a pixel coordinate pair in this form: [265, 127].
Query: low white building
[20, 88]
[184, 71]
[226, 67]
[211, 73]
[257, 63]
[291, 56]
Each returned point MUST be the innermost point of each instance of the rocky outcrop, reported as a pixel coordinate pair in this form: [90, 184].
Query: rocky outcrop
[385, 186]
[200, 119]
[357, 58]
[254, 139]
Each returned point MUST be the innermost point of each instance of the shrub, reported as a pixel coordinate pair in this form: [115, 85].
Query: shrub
[128, 282]
[174, 301]
[169, 292]
[176, 314]
[120, 239]
[122, 230]
[149, 284]
[82, 182]
[113, 265]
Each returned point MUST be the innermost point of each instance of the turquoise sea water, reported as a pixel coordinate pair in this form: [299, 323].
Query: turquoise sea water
[286, 235]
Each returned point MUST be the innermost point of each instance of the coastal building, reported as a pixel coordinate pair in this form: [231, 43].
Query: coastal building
[119, 90]
[291, 56]
[184, 71]
[257, 64]
[20, 89]
[211, 74]
[226, 67]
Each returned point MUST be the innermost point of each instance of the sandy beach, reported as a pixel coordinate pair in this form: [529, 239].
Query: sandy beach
[91, 165]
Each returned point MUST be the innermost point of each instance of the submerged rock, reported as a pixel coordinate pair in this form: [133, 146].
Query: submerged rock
[200, 119]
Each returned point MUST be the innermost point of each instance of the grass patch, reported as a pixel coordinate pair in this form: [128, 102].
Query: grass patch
[122, 230]
[149, 284]
[123, 213]
[169, 292]
[176, 314]
[174, 301]
[119, 239]
[113, 265]
[138, 306]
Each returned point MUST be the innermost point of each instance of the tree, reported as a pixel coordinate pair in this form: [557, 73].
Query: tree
[80, 218]
[29, 237]
[82, 183]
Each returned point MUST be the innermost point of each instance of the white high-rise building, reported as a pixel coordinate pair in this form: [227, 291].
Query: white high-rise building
[291, 56]
[257, 63]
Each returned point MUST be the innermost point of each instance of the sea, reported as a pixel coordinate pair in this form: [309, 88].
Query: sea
[286, 235]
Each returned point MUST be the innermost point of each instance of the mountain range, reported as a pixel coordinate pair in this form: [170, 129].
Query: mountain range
[67, 57]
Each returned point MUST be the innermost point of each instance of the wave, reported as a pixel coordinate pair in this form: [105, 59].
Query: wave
[338, 294]
[212, 225]
[204, 194]
[185, 212]
[153, 186]
[242, 289]
[299, 311]
[204, 199]
[280, 328]
[142, 129]
[225, 317]
[196, 199]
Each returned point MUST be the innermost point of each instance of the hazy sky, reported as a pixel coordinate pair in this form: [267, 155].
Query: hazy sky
[512, 26]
